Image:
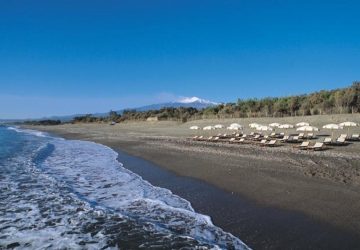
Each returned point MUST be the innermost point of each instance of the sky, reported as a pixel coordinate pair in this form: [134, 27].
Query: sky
[68, 57]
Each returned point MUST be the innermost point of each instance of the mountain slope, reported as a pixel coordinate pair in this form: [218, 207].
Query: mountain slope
[185, 102]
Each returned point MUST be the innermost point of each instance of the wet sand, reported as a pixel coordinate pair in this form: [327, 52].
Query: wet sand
[270, 198]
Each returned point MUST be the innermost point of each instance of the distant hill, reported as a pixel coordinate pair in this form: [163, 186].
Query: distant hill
[194, 102]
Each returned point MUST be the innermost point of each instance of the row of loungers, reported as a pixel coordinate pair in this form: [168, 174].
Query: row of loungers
[353, 137]
[306, 145]
[268, 143]
[267, 140]
[263, 142]
[341, 140]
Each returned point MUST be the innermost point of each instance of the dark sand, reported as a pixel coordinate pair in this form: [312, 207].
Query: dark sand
[269, 198]
[259, 227]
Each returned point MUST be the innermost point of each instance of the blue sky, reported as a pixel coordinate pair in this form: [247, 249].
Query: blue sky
[65, 57]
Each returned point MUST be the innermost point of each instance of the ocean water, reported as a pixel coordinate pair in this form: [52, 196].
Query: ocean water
[68, 194]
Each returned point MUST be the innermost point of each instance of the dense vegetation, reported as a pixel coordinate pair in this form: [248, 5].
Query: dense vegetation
[43, 122]
[339, 101]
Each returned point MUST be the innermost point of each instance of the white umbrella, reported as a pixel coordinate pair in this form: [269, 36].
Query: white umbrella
[235, 125]
[194, 127]
[233, 128]
[307, 128]
[218, 126]
[348, 124]
[286, 126]
[254, 125]
[302, 124]
[209, 128]
[332, 126]
[264, 128]
[274, 125]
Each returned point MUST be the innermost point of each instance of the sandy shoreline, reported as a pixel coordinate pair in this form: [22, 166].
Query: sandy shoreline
[323, 186]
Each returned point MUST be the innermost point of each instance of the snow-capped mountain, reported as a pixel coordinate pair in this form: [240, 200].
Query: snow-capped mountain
[194, 102]
[195, 99]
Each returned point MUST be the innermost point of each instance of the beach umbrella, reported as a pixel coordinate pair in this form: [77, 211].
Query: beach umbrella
[233, 128]
[194, 127]
[254, 125]
[307, 128]
[332, 127]
[209, 128]
[286, 126]
[274, 125]
[264, 128]
[219, 126]
[348, 125]
[302, 124]
[235, 125]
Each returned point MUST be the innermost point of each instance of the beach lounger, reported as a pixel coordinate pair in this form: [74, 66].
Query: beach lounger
[285, 138]
[301, 135]
[271, 143]
[257, 137]
[232, 140]
[318, 146]
[327, 140]
[354, 137]
[291, 139]
[304, 145]
[273, 134]
[263, 142]
[242, 140]
[343, 136]
[310, 136]
[215, 139]
[224, 136]
[341, 141]
[244, 136]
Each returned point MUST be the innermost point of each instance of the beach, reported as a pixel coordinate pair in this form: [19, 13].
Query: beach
[271, 197]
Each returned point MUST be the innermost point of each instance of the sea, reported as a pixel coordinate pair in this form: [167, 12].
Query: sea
[71, 194]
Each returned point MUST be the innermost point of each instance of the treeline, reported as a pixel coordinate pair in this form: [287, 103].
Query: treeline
[339, 101]
[182, 114]
[43, 122]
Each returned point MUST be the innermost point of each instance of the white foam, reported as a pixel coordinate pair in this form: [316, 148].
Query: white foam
[94, 172]
[29, 131]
